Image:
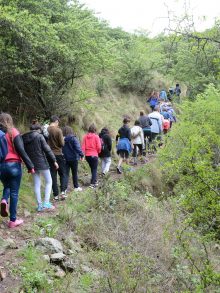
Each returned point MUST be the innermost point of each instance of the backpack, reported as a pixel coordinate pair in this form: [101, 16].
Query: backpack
[3, 146]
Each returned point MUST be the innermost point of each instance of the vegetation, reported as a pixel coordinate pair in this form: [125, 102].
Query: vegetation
[156, 229]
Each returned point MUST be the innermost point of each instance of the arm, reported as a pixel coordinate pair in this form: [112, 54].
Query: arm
[109, 143]
[84, 145]
[60, 138]
[77, 147]
[129, 134]
[98, 144]
[19, 147]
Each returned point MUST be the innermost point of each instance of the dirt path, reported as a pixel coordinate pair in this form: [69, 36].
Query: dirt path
[14, 240]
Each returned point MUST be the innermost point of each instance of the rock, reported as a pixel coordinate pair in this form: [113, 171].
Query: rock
[46, 257]
[59, 273]
[69, 265]
[93, 271]
[57, 257]
[73, 245]
[27, 213]
[2, 274]
[11, 244]
[49, 245]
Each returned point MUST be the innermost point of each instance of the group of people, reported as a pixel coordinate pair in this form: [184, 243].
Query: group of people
[163, 96]
[51, 151]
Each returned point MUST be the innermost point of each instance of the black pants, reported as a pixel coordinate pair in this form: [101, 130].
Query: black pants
[135, 150]
[73, 165]
[62, 173]
[93, 164]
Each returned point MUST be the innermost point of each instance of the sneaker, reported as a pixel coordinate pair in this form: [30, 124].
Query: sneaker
[48, 206]
[119, 170]
[4, 208]
[56, 198]
[92, 186]
[78, 189]
[63, 195]
[16, 223]
[39, 208]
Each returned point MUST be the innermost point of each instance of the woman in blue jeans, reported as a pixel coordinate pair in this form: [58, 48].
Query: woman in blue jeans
[11, 171]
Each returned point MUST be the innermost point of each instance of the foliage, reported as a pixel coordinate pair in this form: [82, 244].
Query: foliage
[191, 160]
[44, 47]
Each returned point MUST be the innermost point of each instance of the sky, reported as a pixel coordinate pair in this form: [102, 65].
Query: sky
[152, 15]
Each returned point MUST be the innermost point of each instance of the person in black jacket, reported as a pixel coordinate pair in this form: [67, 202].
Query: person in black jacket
[38, 150]
[11, 171]
[72, 153]
[105, 155]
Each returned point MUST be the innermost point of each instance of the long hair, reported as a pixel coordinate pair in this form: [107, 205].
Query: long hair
[67, 130]
[6, 122]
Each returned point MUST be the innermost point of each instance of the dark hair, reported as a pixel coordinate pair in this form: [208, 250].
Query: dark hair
[67, 130]
[35, 127]
[92, 128]
[126, 120]
[137, 122]
[142, 113]
[54, 118]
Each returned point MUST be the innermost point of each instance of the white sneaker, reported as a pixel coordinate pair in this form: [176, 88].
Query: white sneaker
[78, 189]
[63, 195]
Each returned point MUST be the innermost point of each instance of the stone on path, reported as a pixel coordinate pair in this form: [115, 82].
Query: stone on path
[49, 245]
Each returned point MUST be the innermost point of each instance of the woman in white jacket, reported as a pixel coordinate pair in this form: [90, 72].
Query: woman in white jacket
[137, 139]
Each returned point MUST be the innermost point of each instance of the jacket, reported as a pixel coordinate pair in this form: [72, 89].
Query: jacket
[137, 135]
[124, 132]
[55, 140]
[157, 122]
[91, 145]
[72, 149]
[16, 151]
[145, 121]
[124, 144]
[38, 150]
[107, 144]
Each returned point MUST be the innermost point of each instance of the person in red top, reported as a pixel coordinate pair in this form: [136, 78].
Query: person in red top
[10, 169]
[91, 147]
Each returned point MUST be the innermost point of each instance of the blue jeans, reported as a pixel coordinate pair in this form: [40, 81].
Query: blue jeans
[10, 176]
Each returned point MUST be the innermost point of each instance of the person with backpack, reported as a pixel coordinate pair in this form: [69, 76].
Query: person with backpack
[38, 151]
[91, 147]
[123, 143]
[106, 147]
[56, 143]
[137, 138]
[12, 153]
[73, 153]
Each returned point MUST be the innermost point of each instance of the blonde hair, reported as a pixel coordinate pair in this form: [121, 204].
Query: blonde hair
[7, 122]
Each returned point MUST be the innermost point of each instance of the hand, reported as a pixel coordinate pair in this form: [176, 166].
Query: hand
[32, 171]
[56, 165]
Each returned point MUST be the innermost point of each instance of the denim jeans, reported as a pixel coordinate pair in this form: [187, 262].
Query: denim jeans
[73, 165]
[93, 164]
[62, 174]
[10, 176]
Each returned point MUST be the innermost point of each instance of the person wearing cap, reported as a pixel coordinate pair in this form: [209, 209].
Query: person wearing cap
[56, 143]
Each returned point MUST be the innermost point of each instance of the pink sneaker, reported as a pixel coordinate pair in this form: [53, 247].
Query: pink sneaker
[4, 208]
[15, 224]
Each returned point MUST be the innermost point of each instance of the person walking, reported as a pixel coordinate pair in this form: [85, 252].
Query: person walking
[157, 124]
[91, 147]
[145, 123]
[123, 143]
[38, 151]
[137, 138]
[11, 171]
[105, 153]
[72, 153]
[56, 143]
